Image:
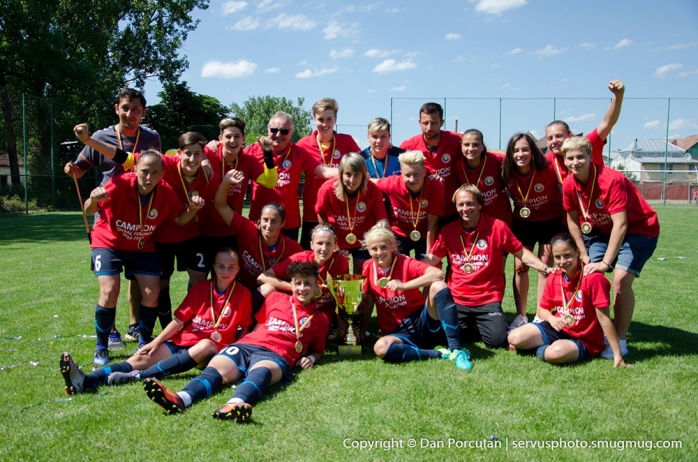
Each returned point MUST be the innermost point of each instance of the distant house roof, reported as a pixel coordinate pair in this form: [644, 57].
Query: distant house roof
[688, 142]
[653, 152]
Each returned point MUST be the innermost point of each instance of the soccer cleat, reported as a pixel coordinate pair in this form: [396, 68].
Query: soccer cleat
[519, 321]
[445, 353]
[536, 320]
[132, 333]
[115, 342]
[166, 399]
[74, 377]
[101, 357]
[121, 378]
[239, 412]
[461, 358]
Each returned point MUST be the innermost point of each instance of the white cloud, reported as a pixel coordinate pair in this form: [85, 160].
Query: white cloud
[376, 53]
[292, 22]
[534, 133]
[587, 46]
[459, 59]
[687, 73]
[580, 118]
[548, 51]
[390, 65]
[497, 6]
[371, 90]
[508, 86]
[248, 23]
[229, 70]
[515, 51]
[346, 53]
[272, 70]
[678, 46]
[662, 71]
[682, 124]
[336, 29]
[306, 74]
[623, 43]
[452, 36]
[394, 10]
[653, 124]
[269, 5]
[232, 7]
[400, 88]
[412, 54]
[495, 65]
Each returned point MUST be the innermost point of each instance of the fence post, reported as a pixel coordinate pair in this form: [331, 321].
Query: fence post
[53, 161]
[24, 137]
[500, 123]
[610, 141]
[666, 147]
[391, 115]
[554, 108]
[445, 116]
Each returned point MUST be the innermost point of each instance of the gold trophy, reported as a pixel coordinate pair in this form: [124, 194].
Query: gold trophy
[347, 290]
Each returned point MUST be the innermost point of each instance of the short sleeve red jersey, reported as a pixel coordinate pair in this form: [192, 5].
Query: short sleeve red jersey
[364, 209]
[255, 255]
[594, 292]
[482, 249]
[289, 165]
[392, 307]
[558, 163]
[119, 227]
[249, 165]
[328, 156]
[277, 328]
[488, 178]
[408, 208]
[442, 161]
[199, 323]
[542, 193]
[337, 264]
[611, 193]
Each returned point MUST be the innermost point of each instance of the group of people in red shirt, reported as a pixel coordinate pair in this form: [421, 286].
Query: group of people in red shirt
[440, 194]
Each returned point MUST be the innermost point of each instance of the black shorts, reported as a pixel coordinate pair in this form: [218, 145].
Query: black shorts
[419, 330]
[109, 262]
[359, 253]
[211, 245]
[483, 322]
[190, 255]
[406, 245]
[550, 336]
[245, 356]
[306, 229]
[532, 232]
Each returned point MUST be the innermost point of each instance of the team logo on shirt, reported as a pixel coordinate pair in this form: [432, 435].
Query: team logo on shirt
[226, 311]
[539, 187]
[302, 322]
[599, 204]
[286, 164]
[337, 154]
[423, 203]
[271, 261]
[489, 181]
[153, 214]
[578, 297]
[361, 207]
[482, 244]
[193, 193]
[446, 158]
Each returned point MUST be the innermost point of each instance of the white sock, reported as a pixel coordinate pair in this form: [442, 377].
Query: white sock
[235, 401]
[186, 399]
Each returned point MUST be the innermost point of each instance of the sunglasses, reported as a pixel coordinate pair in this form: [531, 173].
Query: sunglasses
[284, 131]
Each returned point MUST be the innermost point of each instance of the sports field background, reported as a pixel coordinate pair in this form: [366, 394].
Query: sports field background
[47, 299]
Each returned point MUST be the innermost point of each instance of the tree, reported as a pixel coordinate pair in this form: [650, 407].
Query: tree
[82, 51]
[257, 111]
[180, 110]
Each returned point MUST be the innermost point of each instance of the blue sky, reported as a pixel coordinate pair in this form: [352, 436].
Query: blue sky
[365, 53]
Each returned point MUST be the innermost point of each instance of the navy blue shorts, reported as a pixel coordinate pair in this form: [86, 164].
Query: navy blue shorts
[531, 233]
[405, 244]
[110, 262]
[550, 335]
[174, 349]
[634, 252]
[359, 253]
[245, 356]
[419, 330]
[211, 245]
[190, 255]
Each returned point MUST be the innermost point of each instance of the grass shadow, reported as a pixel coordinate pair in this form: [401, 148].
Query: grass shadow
[670, 341]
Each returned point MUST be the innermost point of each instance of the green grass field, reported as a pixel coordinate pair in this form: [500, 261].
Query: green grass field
[47, 299]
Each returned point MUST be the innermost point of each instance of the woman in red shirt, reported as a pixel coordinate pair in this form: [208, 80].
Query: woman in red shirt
[575, 332]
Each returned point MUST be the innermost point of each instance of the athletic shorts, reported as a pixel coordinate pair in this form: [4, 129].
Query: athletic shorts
[109, 262]
[634, 252]
[405, 244]
[359, 253]
[190, 255]
[175, 349]
[550, 335]
[291, 232]
[483, 322]
[420, 330]
[306, 229]
[211, 245]
[245, 356]
[531, 233]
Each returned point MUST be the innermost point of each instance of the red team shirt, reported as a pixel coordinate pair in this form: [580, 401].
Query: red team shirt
[442, 161]
[558, 162]
[246, 163]
[337, 264]
[490, 184]
[252, 263]
[118, 226]
[342, 144]
[195, 313]
[276, 330]
[289, 165]
[613, 193]
[544, 199]
[594, 293]
[485, 284]
[366, 209]
[392, 307]
[402, 218]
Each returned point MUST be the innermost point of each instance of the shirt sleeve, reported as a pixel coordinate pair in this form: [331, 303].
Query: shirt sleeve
[597, 145]
[439, 249]
[416, 268]
[323, 204]
[245, 309]
[185, 311]
[568, 195]
[318, 343]
[510, 243]
[617, 196]
[377, 205]
[599, 288]
[547, 301]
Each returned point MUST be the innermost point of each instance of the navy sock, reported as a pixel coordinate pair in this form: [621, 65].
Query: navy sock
[181, 362]
[448, 314]
[104, 321]
[147, 323]
[251, 389]
[204, 385]
[99, 377]
[164, 307]
[401, 353]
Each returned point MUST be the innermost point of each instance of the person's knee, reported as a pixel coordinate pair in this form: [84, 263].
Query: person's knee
[437, 287]
[381, 347]
[208, 347]
[557, 354]
[516, 337]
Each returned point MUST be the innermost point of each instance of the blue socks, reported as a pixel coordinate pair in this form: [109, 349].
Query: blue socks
[251, 389]
[204, 385]
[180, 362]
[147, 323]
[99, 377]
[400, 353]
[448, 314]
[104, 321]
[164, 307]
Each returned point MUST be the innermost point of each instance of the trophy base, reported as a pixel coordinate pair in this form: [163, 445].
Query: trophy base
[349, 350]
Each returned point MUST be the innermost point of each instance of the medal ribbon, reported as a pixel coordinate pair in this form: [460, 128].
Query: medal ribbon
[118, 137]
[140, 207]
[346, 200]
[469, 255]
[585, 211]
[261, 253]
[557, 169]
[322, 281]
[224, 163]
[333, 145]
[227, 299]
[528, 192]
[385, 165]
[375, 270]
[566, 303]
[479, 177]
[295, 320]
[419, 209]
[184, 186]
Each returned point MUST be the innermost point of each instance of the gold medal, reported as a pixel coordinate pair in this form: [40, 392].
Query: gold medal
[141, 243]
[299, 346]
[216, 336]
[415, 235]
[468, 268]
[586, 227]
[569, 319]
[525, 212]
[351, 238]
[383, 282]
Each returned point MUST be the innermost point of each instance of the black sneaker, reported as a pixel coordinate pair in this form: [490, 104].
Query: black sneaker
[74, 377]
[120, 378]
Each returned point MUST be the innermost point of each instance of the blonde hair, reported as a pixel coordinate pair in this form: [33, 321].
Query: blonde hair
[381, 228]
[576, 143]
[412, 158]
[377, 124]
[469, 189]
[325, 104]
[355, 163]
